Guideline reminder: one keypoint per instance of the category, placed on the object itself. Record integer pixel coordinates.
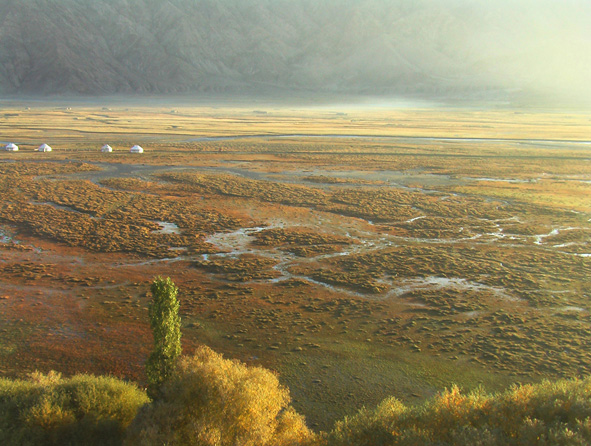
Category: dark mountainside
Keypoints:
(445, 48)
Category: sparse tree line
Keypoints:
(207, 400)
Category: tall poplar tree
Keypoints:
(166, 327)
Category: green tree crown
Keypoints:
(166, 328)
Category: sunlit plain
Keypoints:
(359, 252)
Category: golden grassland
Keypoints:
(555, 193)
(82, 124)
(356, 268)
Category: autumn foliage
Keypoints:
(550, 413)
(210, 401)
(51, 410)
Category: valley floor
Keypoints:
(443, 247)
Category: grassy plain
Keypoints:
(444, 247)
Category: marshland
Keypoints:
(359, 253)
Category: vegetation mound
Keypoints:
(210, 400)
(550, 413)
(82, 410)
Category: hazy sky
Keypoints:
(550, 42)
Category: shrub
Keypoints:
(550, 413)
(82, 410)
(210, 400)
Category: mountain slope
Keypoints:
(338, 46)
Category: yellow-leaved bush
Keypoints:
(81, 410)
(550, 413)
(212, 401)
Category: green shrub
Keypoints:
(82, 410)
(210, 401)
(550, 413)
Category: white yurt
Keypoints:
(44, 148)
(11, 147)
(137, 149)
(106, 148)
